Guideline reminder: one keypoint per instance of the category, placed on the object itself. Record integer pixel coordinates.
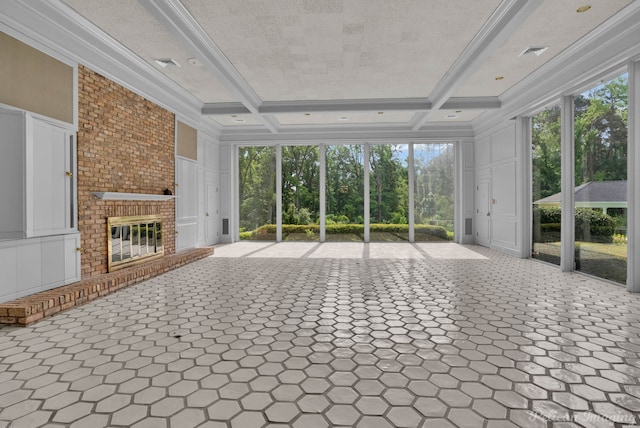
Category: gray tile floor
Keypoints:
(316, 335)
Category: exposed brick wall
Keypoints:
(125, 144)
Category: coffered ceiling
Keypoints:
(277, 65)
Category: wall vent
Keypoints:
(534, 50)
(468, 226)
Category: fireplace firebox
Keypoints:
(134, 240)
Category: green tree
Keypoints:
(387, 184)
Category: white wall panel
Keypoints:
(29, 262)
(482, 153)
(503, 144)
(504, 233)
(504, 189)
(8, 270)
(52, 262)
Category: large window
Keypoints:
(600, 178)
(345, 193)
(300, 193)
(434, 191)
(389, 192)
(257, 188)
(546, 165)
(384, 190)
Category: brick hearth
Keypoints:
(32, 308)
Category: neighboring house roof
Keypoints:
(594, 191)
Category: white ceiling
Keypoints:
(280, 64)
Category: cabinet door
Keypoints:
(50, 199)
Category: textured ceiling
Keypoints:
(319, 50)
(361, 57)
(556, 25)
(130, 24)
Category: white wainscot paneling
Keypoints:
(503, 144)
(504, 233)
(187, 236)
(8, 270)
(467, 155)
(72, 268)
(225, 159)
(52, 262)
(468, 193)
(482, 152)
(29, 264)
(225, 195)
(211, 156)
(187, 190)
(504, 189)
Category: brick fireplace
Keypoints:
(125, 144)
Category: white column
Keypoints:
(411, 218)
(367, 195)
(523, 183)
(567, 245)
(278, 193)
(323, 191)
(633, 181)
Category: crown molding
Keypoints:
(607, 47)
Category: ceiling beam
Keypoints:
(224, 109)
(345, 105)
(471, 103)
(179, 21)
(505, 20)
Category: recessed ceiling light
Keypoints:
(234, 115)
(458, 111)
(307, 114)
(193, 61)
(451, 116)
(380, 112)
(583, 8)
(499, 77)
(343, 118)
(239, 120)
(166, 62)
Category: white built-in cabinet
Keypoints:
(186, 204)
(39, 239)
(37, 165)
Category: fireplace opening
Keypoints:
(134, 240)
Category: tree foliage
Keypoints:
(600, 130)
(388, 185)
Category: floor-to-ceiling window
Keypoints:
(345, 192)
(257, 192)
(389, 192)
(546, 166)
(600, 125)
(300, 193)
(434, 194)
(352, 178)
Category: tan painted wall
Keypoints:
(187, 141)
(32, 80)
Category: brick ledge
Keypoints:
(32, 308)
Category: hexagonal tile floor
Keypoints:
(318, 335)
